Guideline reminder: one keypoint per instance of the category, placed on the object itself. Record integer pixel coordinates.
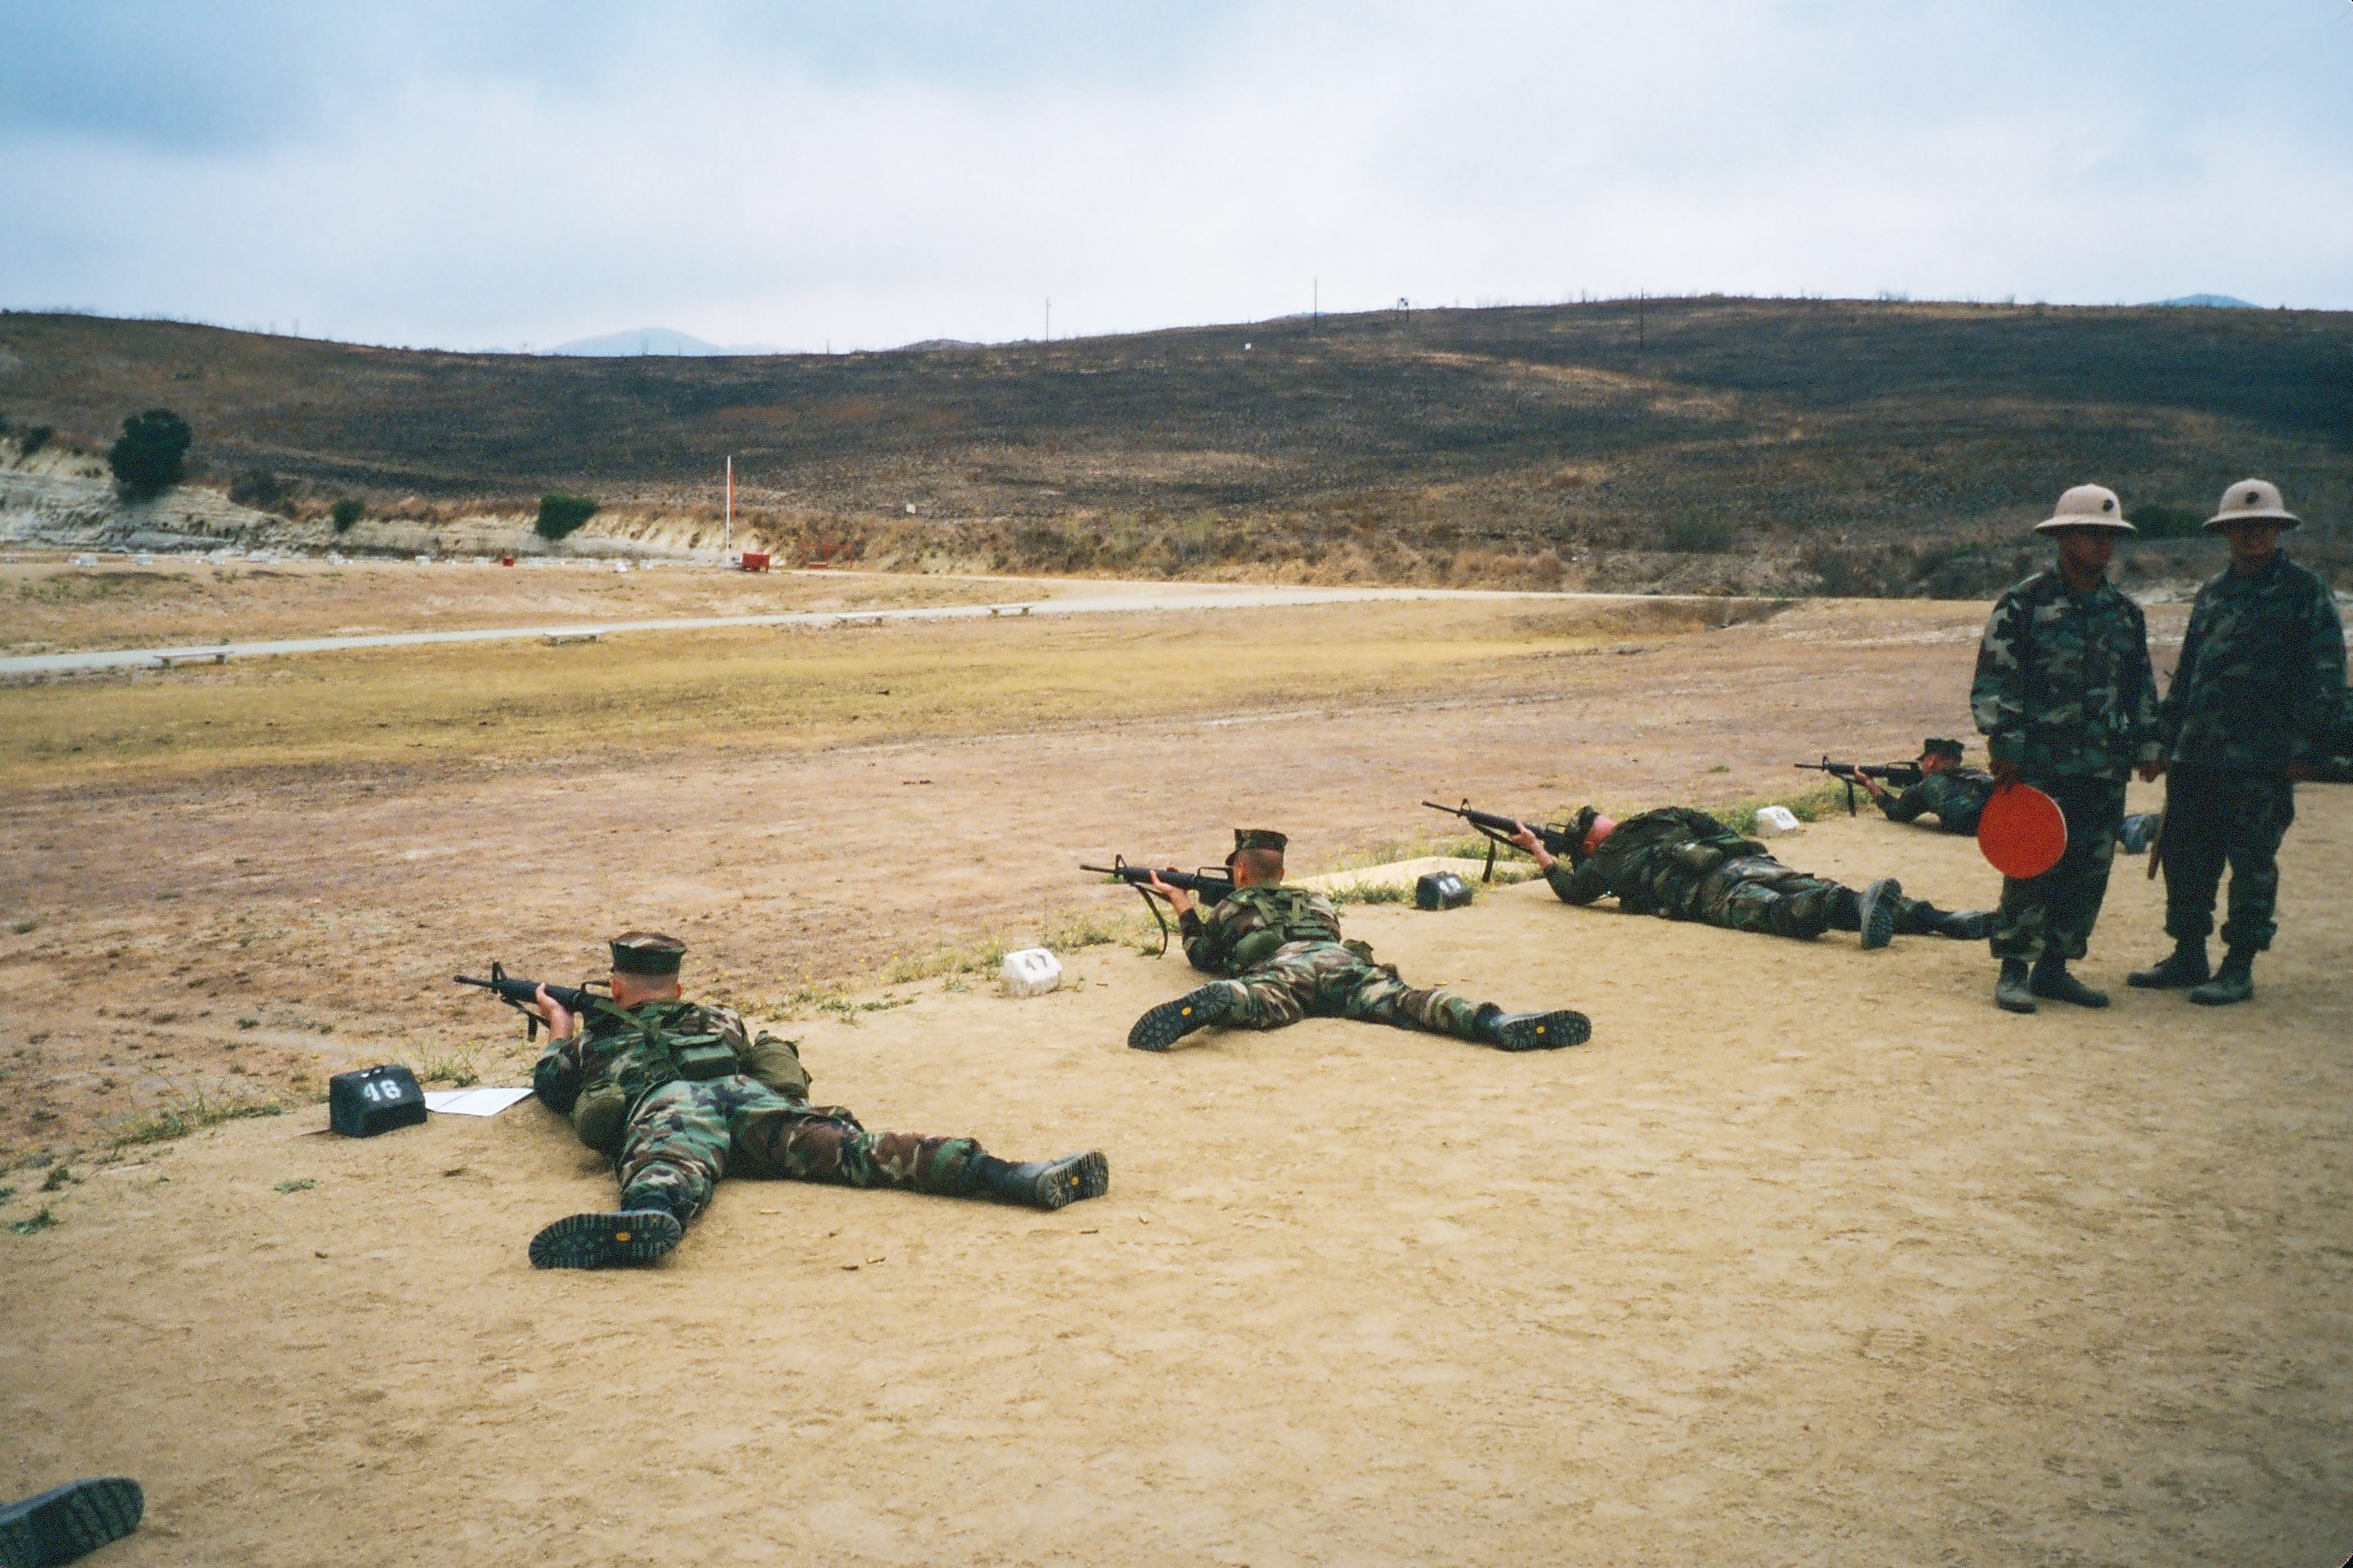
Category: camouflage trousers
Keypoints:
(1325, 980)
(2214, 817)
(684, 1136)
(2054, 913)
(1755, 893)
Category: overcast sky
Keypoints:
(482, 174)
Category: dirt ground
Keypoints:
(1811, 1254)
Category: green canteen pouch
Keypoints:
(601, 1119)
(1699, 857)
(703, 1056)
(1257, 948)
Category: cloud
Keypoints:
(873, 175)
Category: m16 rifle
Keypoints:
(1209, 886)
(1498, 830)
(1901, 775)
(523, 994)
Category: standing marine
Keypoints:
(2066, 702)
(1681, 864)
(2257, 700)
(1281, 958)
(678, 1094)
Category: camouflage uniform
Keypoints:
(1683, 865)
(2063, 691)
(671, 1138)
(2260, 685)
(1954, 797)
(1957, 798)
(1281, 950)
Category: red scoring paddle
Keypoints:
(2021, 833)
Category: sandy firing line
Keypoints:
(1125, 603)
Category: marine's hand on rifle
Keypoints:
(1180, 900)
(1525, 837)
(1872, 784)
(2148, 771)
(560, 1021)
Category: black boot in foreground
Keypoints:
(1877, 909)
(2052, 982)
(2011, 993)
(1532, 1031)
(606, 1240)
(2185, 965)
(1046, 1183)
(69, 1521)
(2234, 981)
(1170, 1022)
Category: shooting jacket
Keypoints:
(1250, 925)
(1956, 798)
(2062, 687)
(1654, 864)
(2261, 683)
(618, 1056)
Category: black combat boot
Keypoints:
(1965, 925)
(1532, 1031)
(2052, 982)
(1876, 909)
(2234, 981)
(1170, 1022)
(2011, 993)
(605, 1240)
(70, 1521)
(1044, 1184)
(2185, 965)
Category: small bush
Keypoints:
(2158, 519)
(347, 511)
(1696, 533)
(258, 488)
(32, 439)
(152, 452)
(561, 514)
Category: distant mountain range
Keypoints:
(655, 341)
(2219, 301)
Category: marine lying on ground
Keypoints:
(1498, 830)
(1281, 958)
(679, 1094)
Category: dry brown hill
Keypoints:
(1833, 446)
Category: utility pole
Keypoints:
(727, 540)
(1641, 307)
(1315, 304)
(1050, 319)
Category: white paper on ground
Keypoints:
(472, 1101)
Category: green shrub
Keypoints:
(32, 439)
(151, 453)
(1696, 533)
(560, 514)
(2158, 519)
(347, 511)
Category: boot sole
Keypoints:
(2137, 983)
(1546, 1032)
(2086, 998)
(70, 1521)
(1071, 1181)
(1170, 1022)
(1878, 912)
(2211, 1000)
(606, 1240)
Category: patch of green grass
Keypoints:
(1370, 893)
(458, 1071)
(302, 1186)
(6, 1193)
(41, 1221)
(24, 928)
(59, 1177)
(1811, 806)
(192, 1115)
